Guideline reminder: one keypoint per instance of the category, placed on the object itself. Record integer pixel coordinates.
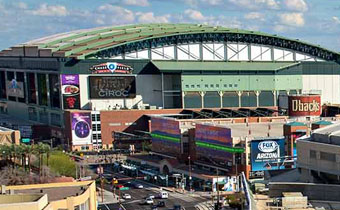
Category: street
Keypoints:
(138, 195)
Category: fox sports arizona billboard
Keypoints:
(267, 154)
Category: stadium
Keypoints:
(82, 82)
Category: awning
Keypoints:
(180, 66)
(129, 167)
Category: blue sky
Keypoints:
(314, 21)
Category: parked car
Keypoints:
(177, 207)
(127, 196)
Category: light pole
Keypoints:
(190, 182)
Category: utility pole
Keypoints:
(190, 182)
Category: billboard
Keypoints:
(304, 105)
(105, 87)
(166, 136)
(267, 154)
(70, 91)
(15, 89)
(111, 68)
(213, 142)
(81, 128)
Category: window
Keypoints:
(98, 117)
(225, 85)
(98, 127)
(235, 85)
(94, 128)
(43, 117)
(187, 86)
(327, 156)
(230, 85)
(54, 85)
(192, 86)
(312, 154)
(93, 117)
(198, 86)
(99, 136)
(42, 86)
(32, 97)
(211, 85)
(2, 85)
(206, 85)
(32, 114)
(94, 136)
(55, 119)
(217, 85)
(21, 78)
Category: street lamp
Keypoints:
(190, 182)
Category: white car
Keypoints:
(149, 201)
(150, 196)
(127, 196)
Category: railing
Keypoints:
(250, 202)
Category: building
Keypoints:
(318, 155)
(67, 80)
(51, 196)
(9, 136)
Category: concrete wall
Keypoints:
(312, 191)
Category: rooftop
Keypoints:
(87, 42)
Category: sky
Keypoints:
(313, 21)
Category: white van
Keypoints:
(163, 194)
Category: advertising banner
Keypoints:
(166, 136)
(106, 87)
(81, 128)
(15, 89)
(304, 105)
(267, 154)
(70, 91)
(111, 68)
(227, 184)
(213, 142)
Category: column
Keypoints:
(239, 93)
(257, 93)
(183, 102)
(275, 99)
(162, 75)
(36, 87)
(26, 87)
(202, 93)
(48, 90)
(6, 83)
(221, 93)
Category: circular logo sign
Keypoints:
(82, 129)
(112, 66)
(268, 146)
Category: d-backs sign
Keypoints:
(309, 105)
(111, 68)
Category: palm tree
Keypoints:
(41, 149)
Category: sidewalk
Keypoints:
(107, 197)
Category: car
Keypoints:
(154, 207)
(163, 195)
(127, 196)
(148, 201)
(177, 207)
(161, 204)
(138, 186)
(150, 196)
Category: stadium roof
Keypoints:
(165, 66)
(97, 42)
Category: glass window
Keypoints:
(55, 119)
(235, 85)
(43, 116)
(98, 127)
(206, 85)
(187, 86)
(32, 97)
(94, 136)
(32, 114)
(327, 156)
(93, 117)
(54, 90)
(42, 87)
(2, 85)
(225, 85)
(192, 86)
(10, 77)
(211, 85)
(217, 85)
(99, 136)
(21, 78)
(230, 85)
(94, 128)
(98, 117)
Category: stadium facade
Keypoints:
(60, 79)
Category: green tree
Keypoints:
(61, 164)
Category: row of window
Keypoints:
(95, 117)
(96, 127)
(323, 156)
(212, 86)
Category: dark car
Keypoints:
(177, 207)
(161, 204)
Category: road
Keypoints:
(138, 195)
